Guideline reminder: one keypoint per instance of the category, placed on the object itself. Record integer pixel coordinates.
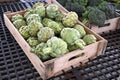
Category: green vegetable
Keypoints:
(55, 26)
(24, 31)
(79, 44)
(118, 4)
(32, 41)
(35, 17)
(94, 2)
(70, 35)
(34, 27)
(18, 23)
(28, 12)
(38, 50)
(70, 19)
(37, 4)
(56, 47)
(16, 17)
(44, 34)
(59, 17)
(45, 21)
(107, 10)
(40, 10)
(97, 16)
(80, 29)
(52, 10)
(89, 39)
(81, 2)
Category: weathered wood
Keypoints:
(55, 66)
(113, 26)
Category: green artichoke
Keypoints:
(57, 27)
(80, 29)
(35, 17)
(24, 32)
(38, 50)
(70, 35)
(79, 44)
(59, 17)
(56, 47)
(89, 39)
(38, 4)
(28, 12)
(16, 17)
(45, 21)
(70, 19)
(40, 10)
(52, 10)
(44, 34)
(18, 23)
(32, 41)
(34, 27)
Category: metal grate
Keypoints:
(14, 65)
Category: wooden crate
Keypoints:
(55, 66)
(111, 24)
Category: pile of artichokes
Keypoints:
(51, 33)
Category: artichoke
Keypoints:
(52, 10)
(35, 17)
(59, 17)
(70, 19)
(70, 35)
(38, 50)
(28, 12)
(34, 27)
(44, 34)
(18, 23)
(40, 10)
(38, 4)
(57, 27)
(16, 17)
(89, 39)
(80, 29)
(24, 32)
(45, 21)
(56, 47)
(32, 41)
(79, 44)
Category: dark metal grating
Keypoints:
(14, 65)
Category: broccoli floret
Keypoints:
(79, 9)
(94, 2)
(97, 16)
(108, 12)
(86, 12)
(81, 2)
(118, 5)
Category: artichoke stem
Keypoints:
(47, 50)
(80, 45)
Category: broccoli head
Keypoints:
(97, 17)
(104, 6)
(94, 2)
